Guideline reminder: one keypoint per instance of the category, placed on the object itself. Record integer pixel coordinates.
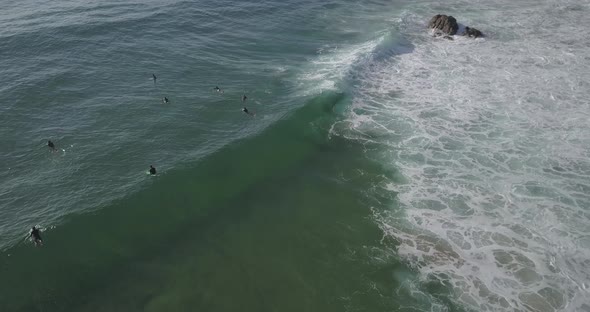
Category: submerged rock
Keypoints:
(472, 32)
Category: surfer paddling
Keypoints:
(51, 146)
(165, 100)
(217, 89)
(35, 235)
(244, 98)
(245, 110)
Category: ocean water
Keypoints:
(384, 170)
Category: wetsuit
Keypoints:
(36, 235)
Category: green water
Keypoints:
(278, 222)
(296, 241)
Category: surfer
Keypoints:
(245, 110)
(51, 145)
(244, 98)
(152, 170)
(154, 75)
(218, 89)
(165, 100)
(36, 236)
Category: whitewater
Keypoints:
(492, 139)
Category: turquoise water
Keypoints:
(385, 170)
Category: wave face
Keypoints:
(491, 137)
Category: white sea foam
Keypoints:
(331, 65)
(493, 137)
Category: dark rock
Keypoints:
(447, 26)
(444, 23)
(472, 32)
(448, 37)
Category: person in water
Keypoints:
(51, 145)
(155, 78)
(36, 236)
(152, 170)
(165, 100)
(244, 98)
(218, 89)
(245, 110)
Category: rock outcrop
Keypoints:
(447, 26)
